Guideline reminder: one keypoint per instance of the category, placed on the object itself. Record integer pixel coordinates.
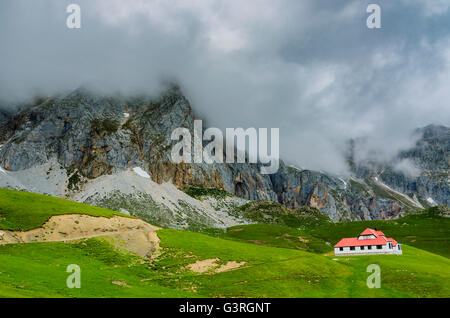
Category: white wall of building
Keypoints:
(358, 251)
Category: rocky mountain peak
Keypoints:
(435, 132)
(89, 136)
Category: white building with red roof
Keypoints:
(367, 243)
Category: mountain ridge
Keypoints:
(85, 136)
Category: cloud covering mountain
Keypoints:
(311, 68)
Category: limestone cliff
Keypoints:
(89, 136)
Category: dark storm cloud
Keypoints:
(311, 68)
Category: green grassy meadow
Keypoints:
(276, 236)
(280, 261)
(39, 270)
(426, 230)
(22, 211)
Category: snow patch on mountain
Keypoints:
(344, 182)
(431, 202)
(141, 173)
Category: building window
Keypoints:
(399, 248)
(379, 247)
(390, 245)
(341, 249)
(369, 247)
(352, 248)
(362, 248)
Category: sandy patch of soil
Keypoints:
(229, 266)
(302, 239)
(119, 283)
(135, 235)
(211, 263)
(287, 235)
(203, 266)
(255, 242)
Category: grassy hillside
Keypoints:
(276, 236)
(269, 212)
(278, 272)
(427, 230)
(22, 211)
(39, 270)
(199, 193)
(272, 260)
(416, 273)
(268, 272)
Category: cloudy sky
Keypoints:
(311, 68)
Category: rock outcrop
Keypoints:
(88, 136)
(430, 157)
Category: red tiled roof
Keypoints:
(379, 239)
(353, 241)
(369, 231)
(394, 242)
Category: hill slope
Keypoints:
(25, 211)
(38, 270)
(192, 264)
(428, 229)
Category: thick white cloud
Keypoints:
(430, 8)
(311, 68)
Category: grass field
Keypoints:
(269, 212)
(280, 261)
(279, 272)
(39, 270)
(426, 230)
(22, 211)
(276, 236)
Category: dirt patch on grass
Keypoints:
(203, 266)
(134, 235)
(255, 242)
(119, 283)
(229, 266)
(211, 263)
(302, 239)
